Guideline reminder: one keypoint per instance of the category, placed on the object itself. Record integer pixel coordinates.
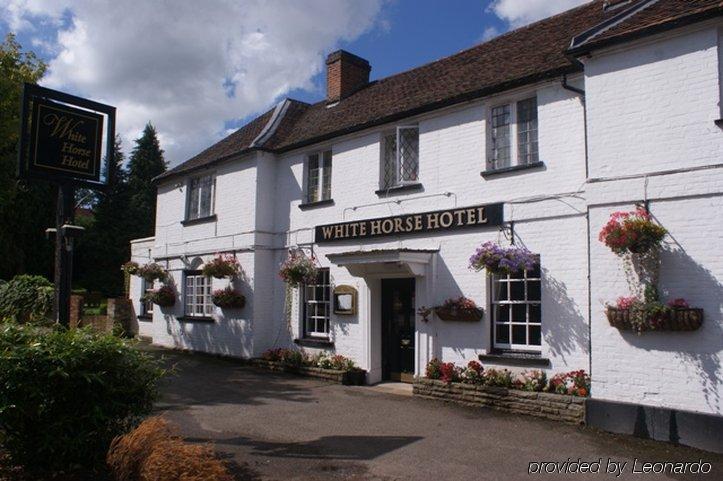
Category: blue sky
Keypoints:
(199, 73)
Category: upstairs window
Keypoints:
(507, 122)
(200, 197)
(317, 305)
(146, 305)
(400, 157)
(318, 177)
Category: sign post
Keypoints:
(61, 139)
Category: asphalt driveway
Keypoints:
(276, 427)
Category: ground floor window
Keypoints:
(197, 295)
(516, 310)
(317, 305)
(146, 305)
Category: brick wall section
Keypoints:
(569, 409)
(332, 375)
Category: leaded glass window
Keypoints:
(400, 157)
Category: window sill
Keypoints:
(515, 168)
(318, 203)
(210, 320)
(145, 318)
(314, 342)
(515, 358)
(399, 189)
(719, 122)
(200, 220)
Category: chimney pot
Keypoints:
(345, 74)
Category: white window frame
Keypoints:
(310, 317)
(212, 206)
(396, 182)
(146, 306)
(191, 280)
(324, 171)
(515, 158)
(507, 282)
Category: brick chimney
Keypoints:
(345, 74)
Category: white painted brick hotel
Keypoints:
(565, 121)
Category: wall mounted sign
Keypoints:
(345, 300)
(434, 221)
(62, 137)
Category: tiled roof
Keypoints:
(657, 16)
(523, 56)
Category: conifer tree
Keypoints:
(146, 162)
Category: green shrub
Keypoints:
(26, 299)
(67, 393)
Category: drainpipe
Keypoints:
(565, 85)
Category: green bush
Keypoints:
(26, 299)
(67, 393)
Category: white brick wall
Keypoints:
(652, 107)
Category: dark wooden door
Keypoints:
(398, 329)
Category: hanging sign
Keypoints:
(434, 221)
(62, 137)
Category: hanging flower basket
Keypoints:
(130, 267)
(632, 232)
(633, 315)
(151, 272)
(298, 269)
(500, 260)
(222, 266)
(164, 296)
(460, 309)
(228, 298)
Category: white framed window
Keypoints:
(200, 197)
(517, 311)
(514, 120)
(197, 301)
(318, 176)
(400, 156)
(317, 305)
(146, 309)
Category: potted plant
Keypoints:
(223, 265)
(151, 272)
(500, 260)
(649, 314)
(228, 298)
(130, 267)
(632, 232)
(164, 296)
(459, 309)
(298, 269)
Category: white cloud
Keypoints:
(521, 12)
(489, 33)
(189, 66)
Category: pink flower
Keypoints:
(678, 303)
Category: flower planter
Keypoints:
(675, 319)
(353, 377)
(559, 407)
(228, 299)
(462, 315)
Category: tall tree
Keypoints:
(106, 243)
(146, 162)
(26, 208)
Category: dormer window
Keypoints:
(400, 157)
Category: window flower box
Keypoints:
(672, 319)
(460, 309)
(222, 266)
(164, 296)
(228, 298)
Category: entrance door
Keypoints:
(398, 329)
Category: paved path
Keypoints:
(279, 427)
